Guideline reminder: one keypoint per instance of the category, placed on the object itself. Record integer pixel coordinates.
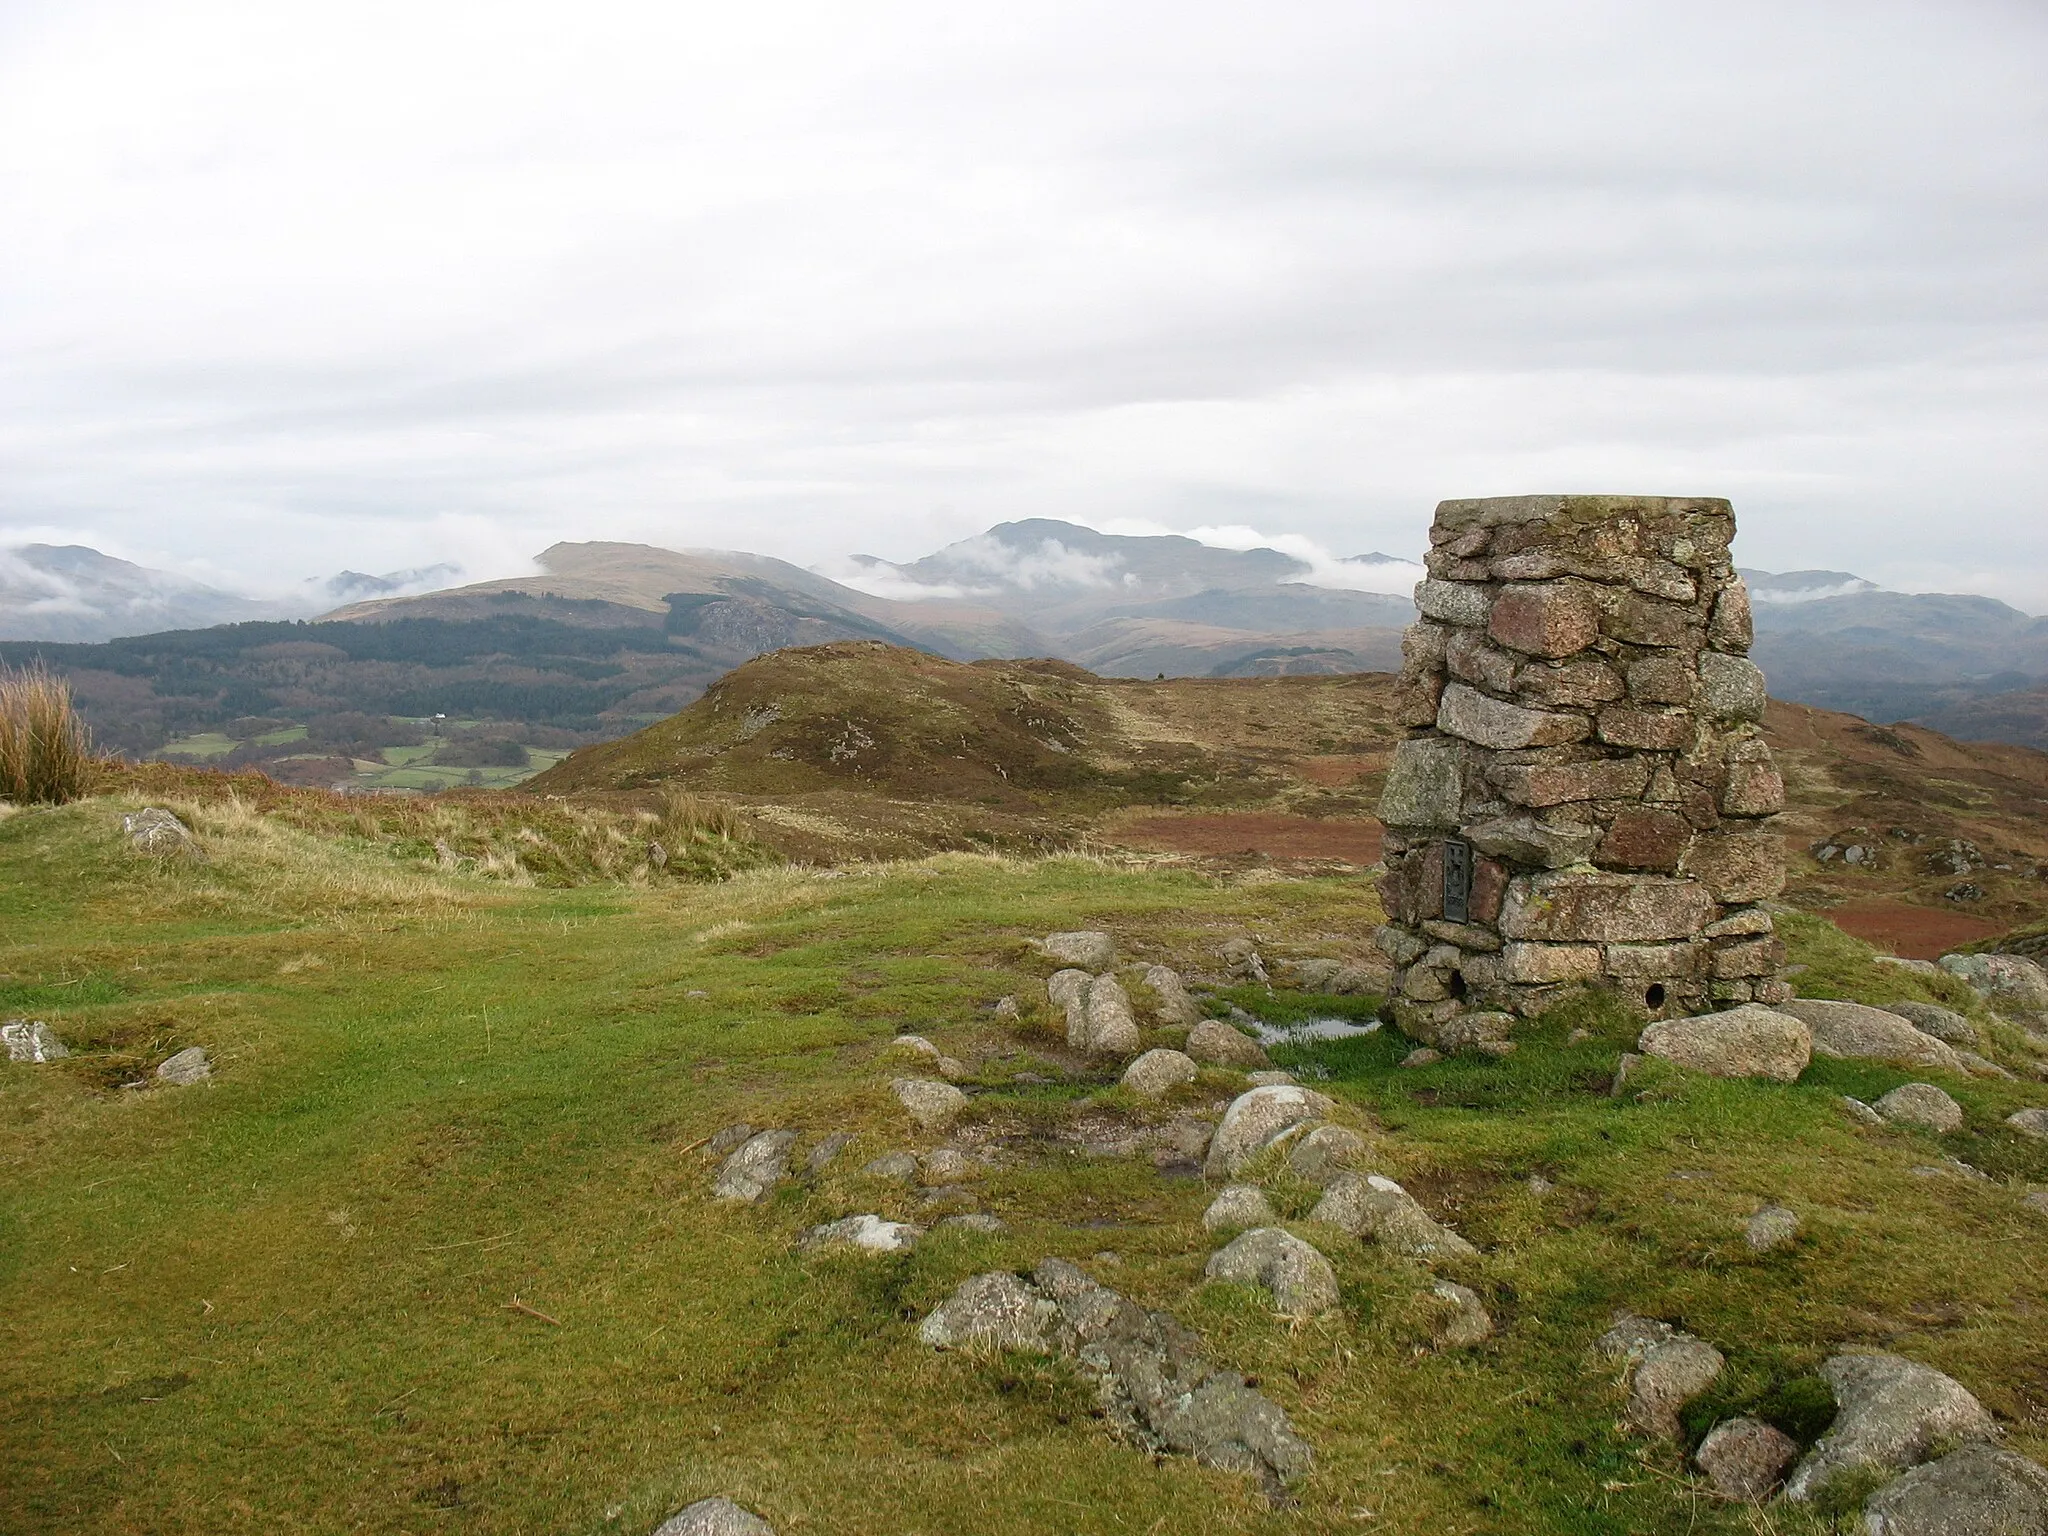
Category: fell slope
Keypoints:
(1045, 753)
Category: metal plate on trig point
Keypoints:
(1457, 881)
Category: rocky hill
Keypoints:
(865, 745)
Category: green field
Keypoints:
(279, 1301)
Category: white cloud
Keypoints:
(293, 287)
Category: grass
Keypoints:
(45, 752)
(279, 1301)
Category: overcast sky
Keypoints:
(289, 287)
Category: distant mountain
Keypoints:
(1770, 588)
(355, 587)
(1064, 577)
(70, 592)
(73, 593)
(1901, 655)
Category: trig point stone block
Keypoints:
(1585, 793)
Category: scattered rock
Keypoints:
(915, 1045)
(2029, 1122)
(1176, 1006)
(1377, 1209)
(1155, 1388)
(948, 1165)
(1772, 1227)
(997, 1311)
(2036, 1199)
(1301, 1279)
(1750, 1041)
(1255, 1118)
(954, 1070)
(1328, 1152)
(1463, 1320)
(1977, 1489)
(1539, 1185)
(1109, 1028)
(2009, 983)
(1159, 1072)
(1068, 992)
(1221, 1045)
(725, 1140)
(1667, 1370)
(714, 1517)
(155, 831)
(948, 1200)
(1850, 1029)
(32, 1040)
(1745, 1459)
(189, 1066)
(868, 1233)
(1485, 1032)
(761, 1163)
(1086, 949)
(933, 1105)
(826, 1152)
(1242, 962)
(1861, 1112)
(1921, 1104)
(1239, 1205)
(1006, 1010)
(1945, 1024)
(1890, 1413)
(975, 1221)
(1421, 1056)
(1270, 1078)
(900, 1167)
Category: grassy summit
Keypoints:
(280, 1300)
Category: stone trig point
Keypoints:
(1583, 795)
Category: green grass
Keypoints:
(279, 1301)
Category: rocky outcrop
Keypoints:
(1158, 1072)
(1666, 1370)
(1377, 1210)
(1891, 1413)
(189, 1066)
(1153, 1383)
(1239, 1205)
(1945, 1024)
(1175, 1006)
(156, 832)
(1108, 1027)
(714, 1517)
(1772, 1227)
(933, 1105)
(1978, 1490)
(1923, 1105)
(1221, 1045)
(1085, 949)
(1851, 1029)
(2009, 983)
(31, 1040)
(1301, 1279)
(760, 1163)
(1254, 1119)
(1749, 1041)
(1745, 1459)
(866, 1233)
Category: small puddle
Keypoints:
(1308, 1030)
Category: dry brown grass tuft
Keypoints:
(45, 750)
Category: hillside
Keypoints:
(865, 746)
(452, 1233)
